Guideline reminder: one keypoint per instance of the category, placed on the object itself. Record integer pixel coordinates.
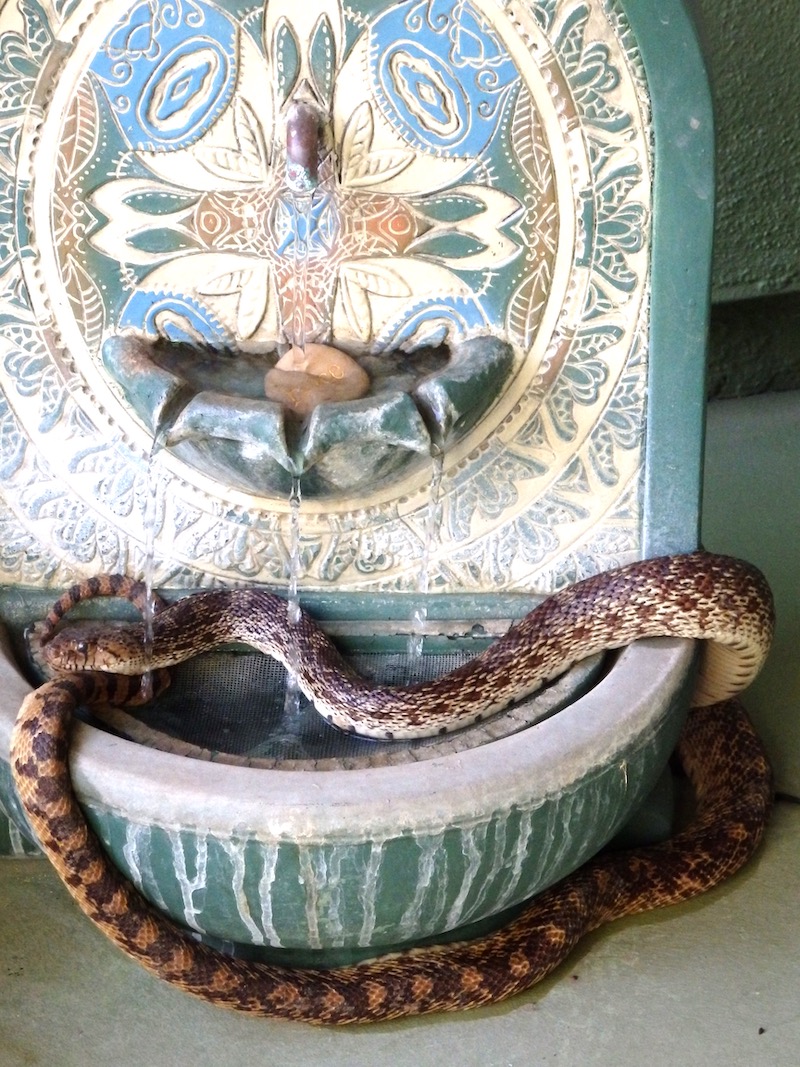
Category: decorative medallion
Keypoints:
(464, 223)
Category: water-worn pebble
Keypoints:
(318, 374)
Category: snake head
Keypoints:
(68, 650)
(88, 646)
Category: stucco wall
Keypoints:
(754, 55)
(754, 346)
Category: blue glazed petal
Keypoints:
(168, 79)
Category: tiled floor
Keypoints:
(711, 982)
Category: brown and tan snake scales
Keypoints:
(722, 600)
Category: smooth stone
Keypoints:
(320, 374)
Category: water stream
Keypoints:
(153, 521)
(295, 560)
(302, 161)
(287, 739)
(430, 539)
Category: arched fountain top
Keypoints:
(485, 179)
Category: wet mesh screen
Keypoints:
(235, 702)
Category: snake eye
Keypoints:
(81, 647)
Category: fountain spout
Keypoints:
(304, 127)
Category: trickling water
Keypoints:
(295, 561)
(302, 159)
(473, 848)
(302, 177)
(430, 539)
(153, 507)
(287, 738)
(313, 877)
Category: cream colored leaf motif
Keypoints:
(185, 516)
(376, 277)
(361, 166)
(125, 221)
(530, 153)
(526, 304)
(81, 132)
(229, 163)
(86, 301)
(356, 306)
(341, 552)
(357, 140)
(250, 138)
(252, 286)
(360, 277)
(232, 281)
(495, 209)
(380, 167)
(253, 303)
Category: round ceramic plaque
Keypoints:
(484, 173)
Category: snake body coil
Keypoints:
(718, 749)
(698, 595)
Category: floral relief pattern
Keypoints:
(213, 258)
(459, 194)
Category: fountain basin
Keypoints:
(556, 212)
(334, 865)
(209, 409)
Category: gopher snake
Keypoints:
(718, 749)
(696, 595)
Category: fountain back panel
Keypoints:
(489, 240)
(424, 267)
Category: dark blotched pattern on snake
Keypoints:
(725, 602)
(718, 750)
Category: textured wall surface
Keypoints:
(754, 53)
(754, 346)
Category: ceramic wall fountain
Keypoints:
(411, 294)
